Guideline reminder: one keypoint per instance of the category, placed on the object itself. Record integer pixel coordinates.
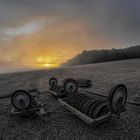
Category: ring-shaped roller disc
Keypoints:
(70, 86)
(21, 100)
(75, 99)
(86, 105)
(69, 98)
(117, 98)
(79, 101)
(53, 82)
(87, 109)
(93, 107)
(100, 110)
(82, 103)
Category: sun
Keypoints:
(47, 65)
(46, 62)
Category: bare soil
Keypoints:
(62, 125)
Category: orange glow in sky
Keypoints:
(47, 43)
(46, 62)
(38, 34)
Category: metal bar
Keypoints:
(102, 119)
(82, 116)
(6, 96)
(94, 92)
(22, 112)
(53, 93)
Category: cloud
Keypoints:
(117, 19)
(26, 29)
(60, 29)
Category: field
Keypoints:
(62, 125)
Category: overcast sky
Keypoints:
(37, 33)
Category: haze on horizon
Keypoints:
(46, 33)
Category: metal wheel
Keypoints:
(117, 98)
(21, 100)
(70, 86)
(65, 80)
(53, 82)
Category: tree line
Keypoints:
(104, 55)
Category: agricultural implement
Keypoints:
(68, 87)
(71, 84)
(26, 103)
(93, 110)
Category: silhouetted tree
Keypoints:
(96, 56)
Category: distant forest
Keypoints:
(96, 56)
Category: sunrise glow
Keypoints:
(45, 34)
(46, 62)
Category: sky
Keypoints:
(46, 33)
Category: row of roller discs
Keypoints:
(72, 99)
(85, 106)
(101, 110)
(89, 106)
(78, 98)
(92, 108)
(79, 101)
(69, 98)
(75, 99)
(82, 103)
